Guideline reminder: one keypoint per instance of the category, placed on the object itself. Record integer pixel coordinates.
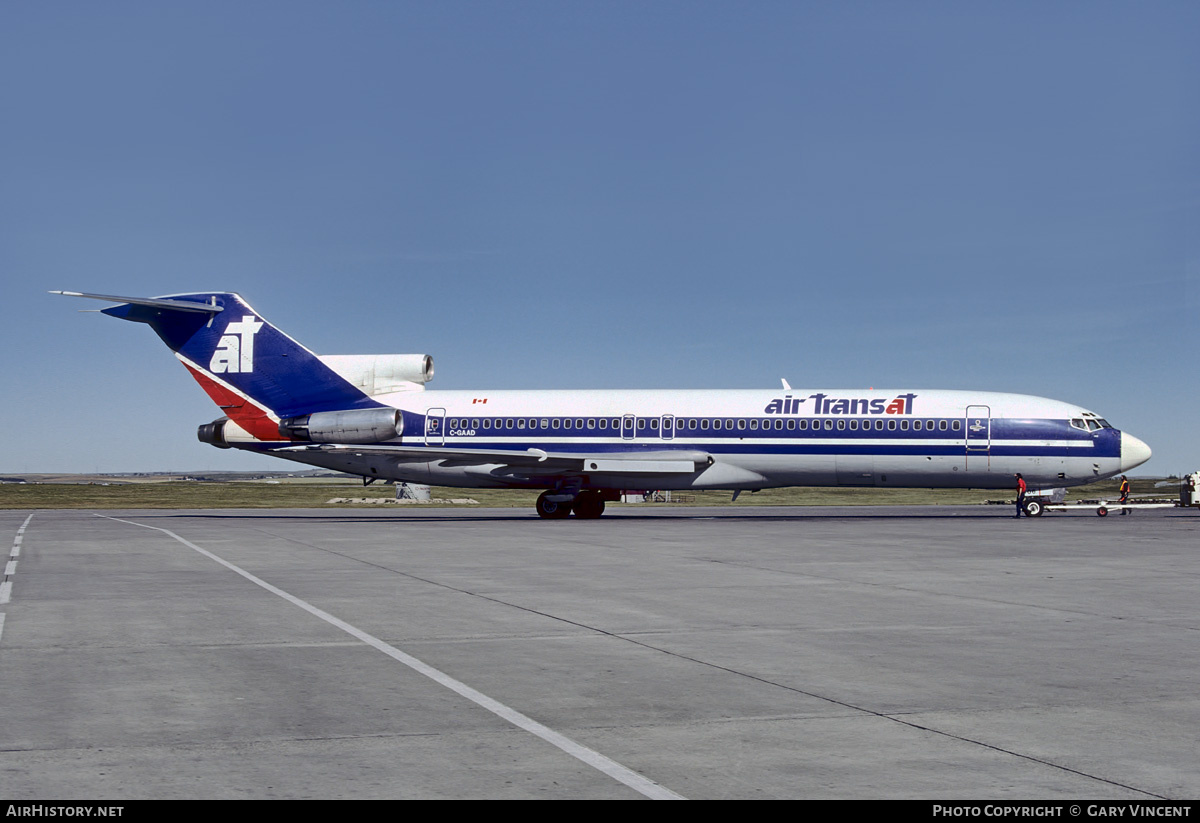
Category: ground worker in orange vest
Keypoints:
(1124, 493)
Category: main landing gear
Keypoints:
(587, 505)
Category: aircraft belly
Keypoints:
(763, 471)
(489, 475)
(738, 471)
(856, 470)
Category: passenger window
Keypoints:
(853, 425)
(904, 425)
(603, 422)
(791, 425)
(704, 424)
(729, 424)
(779, 424)
(654, 423)
(941, 425)
(741, 425)
(916, 425)
(841, 425)
(957, 425)
(828, 425)
(591, 423)
(754, 425)
(878, 425)
(521, 423)
(487, 422)
(545, 422)
(891, 425)
(475, 423)
(554, 423)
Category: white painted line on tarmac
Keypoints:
(11, 568)
(16, 548)
(613, 769)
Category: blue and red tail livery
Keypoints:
(234, 353)
(372, 415)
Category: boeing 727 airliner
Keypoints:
(371, 415)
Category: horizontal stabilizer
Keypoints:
(242, 361)
(153, 302)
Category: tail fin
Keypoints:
(253, 371)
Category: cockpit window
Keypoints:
(1092, 424)
(1078, 423)
(1104, 424)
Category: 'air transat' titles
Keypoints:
(824, 404)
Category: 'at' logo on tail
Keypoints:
(235, 350)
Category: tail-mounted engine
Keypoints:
(377, 374)
(214, 433)
(358, 426)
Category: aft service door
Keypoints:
(979, 438)
(435, 427)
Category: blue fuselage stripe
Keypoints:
(1032, 438)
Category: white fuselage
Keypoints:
(756, 439)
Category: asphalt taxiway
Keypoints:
(922, 652)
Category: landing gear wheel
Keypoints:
(588, 505)
(1034, 508)
(551, 510)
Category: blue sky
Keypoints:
(999, 196)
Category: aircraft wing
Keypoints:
(683, 461)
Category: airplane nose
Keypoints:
(1133, 452)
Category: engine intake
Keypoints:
(382, 373)
(357, 426)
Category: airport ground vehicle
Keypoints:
(1054, 500)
